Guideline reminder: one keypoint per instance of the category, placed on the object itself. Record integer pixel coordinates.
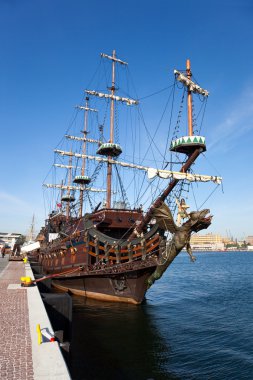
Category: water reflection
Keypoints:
(116, 341)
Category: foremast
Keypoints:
(191, 145)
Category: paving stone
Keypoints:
(15, 339)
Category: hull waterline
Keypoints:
(129, 287)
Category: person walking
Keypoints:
(3, 251)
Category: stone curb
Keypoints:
(48, 362)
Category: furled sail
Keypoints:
(66, 166)
(82, 139)
(165, 174)
(152, 172)
(65, 187)
(128, 101)
(190, 84)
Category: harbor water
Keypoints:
(196, 323)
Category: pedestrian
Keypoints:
(16, 249)
(3, 250)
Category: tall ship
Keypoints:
(117, 221)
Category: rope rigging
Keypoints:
(177, 126)
(140, 189)
(123, 192)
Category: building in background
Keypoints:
(216, 242)
(249, 240)
(207, 242)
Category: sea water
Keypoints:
(196, 323)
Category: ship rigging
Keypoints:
(114, 218)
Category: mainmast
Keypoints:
(109, 166)
(110, 149)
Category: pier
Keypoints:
(28, 349)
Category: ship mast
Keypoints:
(189, 98)
(111, 141)
(68, 192)
(84, 180)
(109, 166)
(68, 198)
(190, 145)
(84, 152)
(62, 192)
(32, 229)
(110, 149)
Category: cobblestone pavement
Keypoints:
(15, 340)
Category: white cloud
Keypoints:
(11, 199)
(13, 207)
(236, 124)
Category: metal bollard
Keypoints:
(39, 333)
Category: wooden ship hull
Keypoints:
(128, 287)
(93, 264)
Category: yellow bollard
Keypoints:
(26, 281)
(39, 334)
(25, 260)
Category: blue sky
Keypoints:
(49, 50)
